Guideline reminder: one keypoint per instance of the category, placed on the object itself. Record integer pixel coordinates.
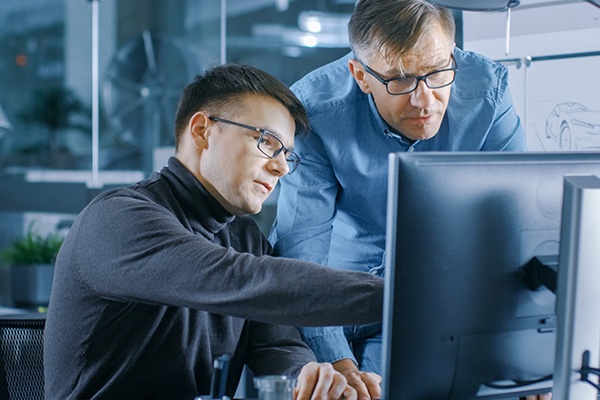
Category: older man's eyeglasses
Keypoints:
(269, 144)
(407, 84)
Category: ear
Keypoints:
(359, 74)
(198, 129)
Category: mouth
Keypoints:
(421, 119)
(267, 188)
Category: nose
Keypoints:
(422, 96)
(278, 165)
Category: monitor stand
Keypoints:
(578, 292)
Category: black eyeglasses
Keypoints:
(404, 85)
(268, 144)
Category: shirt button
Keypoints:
(411, 149)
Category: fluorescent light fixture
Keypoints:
(319, 21)
(313, 25)
(309, 40)
(292, 36)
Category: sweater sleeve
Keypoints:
(276, 349)
(127, 249)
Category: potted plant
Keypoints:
(59, 111)
(31, 260)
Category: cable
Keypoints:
(586, 370)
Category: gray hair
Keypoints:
(391, 28)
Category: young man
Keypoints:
(404, 87)
(156, 280)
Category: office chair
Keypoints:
(21, 358)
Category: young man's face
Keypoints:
(231, 166)
(417, 115)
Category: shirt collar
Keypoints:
(387, 130)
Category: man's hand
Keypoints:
(319, 381)
(366, 384)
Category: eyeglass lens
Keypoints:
(268, 144)
(271, 146)
(435, 80)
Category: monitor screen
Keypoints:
(459, 320)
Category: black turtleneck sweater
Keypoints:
(156, 280)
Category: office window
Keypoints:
(147, 51)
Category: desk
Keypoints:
(12, 311)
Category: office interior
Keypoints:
(88, 88)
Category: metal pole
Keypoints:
(223, 31)
(95, 183)
(507, 30)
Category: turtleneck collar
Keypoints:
(194, 197)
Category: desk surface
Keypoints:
(11, 311)
(6, 313)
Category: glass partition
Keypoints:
(56, 73)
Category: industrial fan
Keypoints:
(140, 91)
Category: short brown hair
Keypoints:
(217, 89)
(390, 28)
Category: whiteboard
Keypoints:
(562, 103)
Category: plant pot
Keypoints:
(31, 284)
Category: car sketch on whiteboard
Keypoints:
(574, 126)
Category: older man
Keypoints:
(405, 87)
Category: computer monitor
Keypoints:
(459, 319)
(578, 332)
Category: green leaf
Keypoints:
(33, 248)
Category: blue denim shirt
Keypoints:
(332, 210)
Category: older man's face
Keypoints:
(417, 115)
